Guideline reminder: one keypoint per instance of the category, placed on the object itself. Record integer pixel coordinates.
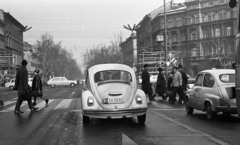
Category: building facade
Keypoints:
(200, 35)
(11, 53)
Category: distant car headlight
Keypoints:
(138, 99)
(90, 101)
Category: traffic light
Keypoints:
(232, 3)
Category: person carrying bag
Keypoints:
(37, 88)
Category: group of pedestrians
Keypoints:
(176, 84)
(21, 85)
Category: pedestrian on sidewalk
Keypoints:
(37, 88)
(176, 84)
(161, 84)
(21, 85)
(146, 85)
(184, 84)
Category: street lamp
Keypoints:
(134, 40)
(165, 38)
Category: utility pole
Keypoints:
(165, 39)
(232, 4)
(134, 41)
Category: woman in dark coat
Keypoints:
(161, 84)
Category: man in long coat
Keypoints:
(161, 84)
(146, 85)
(21, 85)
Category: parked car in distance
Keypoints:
(82, 82)
(112, 92)
(212, 93)
(61, 81)
(11, 83)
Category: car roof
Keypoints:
(110, 66)
(219, 71)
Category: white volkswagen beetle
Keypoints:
(112, 92)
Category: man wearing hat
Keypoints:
(21, 85)
(161, 84)
(37, 87)
(146, 85)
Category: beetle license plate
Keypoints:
(115, 100)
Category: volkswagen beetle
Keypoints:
(112, 92)
(212, 92)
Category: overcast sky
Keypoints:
(79, 23)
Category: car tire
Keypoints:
(52, 86)
(11, 88)
(189, 109)
(209, 111)
(72, 84)
(141, 119)
(86, 120)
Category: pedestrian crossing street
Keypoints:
(9, 106)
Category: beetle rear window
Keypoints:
(227, 78)
(112, 75)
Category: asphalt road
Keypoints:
(60, 123)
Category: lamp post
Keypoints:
(232, 4)
(134, 40)
(165, 38)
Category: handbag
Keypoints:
(37, 93)
(26, 95)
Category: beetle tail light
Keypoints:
(138, 99)
(90, 101)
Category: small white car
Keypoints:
(61, 81)
(112, 92)
(11, 83)
(212, 92)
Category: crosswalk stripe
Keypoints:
(8, 102)
(13, 107)
(42, 104)
(63, 104)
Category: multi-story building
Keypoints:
(32, 65)
(201, 35)
(127, 51)
(11, 53)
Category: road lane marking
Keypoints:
(41, 105)
(13, 107)
(8, 102)
(63, 104)
(14, 98)
(127, 141)
(212, 138)
(162, 106)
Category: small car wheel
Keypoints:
(72, 84)
(209, 112)
(86, 119)
(141, 119)
(189, 109)
(11, 88)
(52, 86)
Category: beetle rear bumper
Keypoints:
(115, 113)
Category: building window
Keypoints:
(216, 17)
(174, 37)
(193, 36)
(210, 3)
(217, 32)
(194, 52)
(205, 34)
(183, 38)
(228, 31)
(222, 1)
(228, 16)
(206, 18)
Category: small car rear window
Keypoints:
(227, 78)
(112, 75)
